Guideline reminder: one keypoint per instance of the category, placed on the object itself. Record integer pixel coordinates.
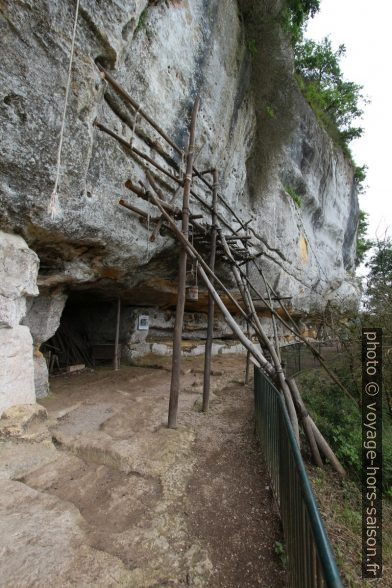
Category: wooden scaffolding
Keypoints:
(203, 238)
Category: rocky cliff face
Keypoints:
(254, 126)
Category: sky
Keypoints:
(365, 29)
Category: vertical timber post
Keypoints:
(210, 325)
(178, 325)
(116, 361)
(246, 382)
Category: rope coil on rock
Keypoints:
(54, 205)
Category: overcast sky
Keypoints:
(365, 29)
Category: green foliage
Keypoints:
(363, 244)
(340, 421)
(252, 47)
(360, 172)
(378, 307)
(142, 20)
(281, 553)
(341, 504)
(294, 195)
(270, 112)
(352, 518)
(379, 282)
(336, 102)
(296, 14)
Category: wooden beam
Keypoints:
(124, 94)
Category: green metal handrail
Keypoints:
(310, 557)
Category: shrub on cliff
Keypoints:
(363, 243)
(336, 102)
(295, 15)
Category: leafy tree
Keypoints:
(295, 15)
(378, 305)
(379, 282)
(363, 244)
(360, 172)
(337, 102)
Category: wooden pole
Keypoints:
(296, 332)
(203, 269)
(145, 157)
(195, 255)
(246, 382)
(305, 420)
(179, 321)
(314, 435)
(264, 340)
(210, 325)
(325, 448)
(261, 361)
(116, 360)
(146, 195)
(160, 221)
(124, 94)
(138, 211)
(274, 325)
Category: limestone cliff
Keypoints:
(254, 126)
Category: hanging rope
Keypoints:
(54, 206)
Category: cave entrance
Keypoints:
(86, 335)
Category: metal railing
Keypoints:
(297, 357)
(310, 558)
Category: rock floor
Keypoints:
(111, 497)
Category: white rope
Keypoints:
(54, 206)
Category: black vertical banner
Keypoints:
(371, 453)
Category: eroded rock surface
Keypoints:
(120, 500)
(164, 54)
(47, 546)
(18, 283)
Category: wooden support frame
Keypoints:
(179, 320)
(263, 339)
(234, 256)
(257, 355)
(125, 95)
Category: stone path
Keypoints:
(111, 497)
